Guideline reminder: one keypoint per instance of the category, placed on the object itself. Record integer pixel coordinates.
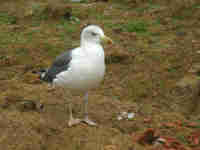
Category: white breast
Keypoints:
(86, 71)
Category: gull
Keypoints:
(80, 69)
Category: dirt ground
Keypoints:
(153, 71)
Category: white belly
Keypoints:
(82, 75)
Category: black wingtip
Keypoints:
(41, 73)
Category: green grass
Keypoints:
(74, 19)
(149, 7)
(157, 21)
(136, 26)
(8, 37)
(197, 6)
(178, 17)
(84, 1)
(172, 69)
(39, 12)
(5, 18)
(52, 50)
(183, 139)
(69, 26)
(66, 29)
(81, 1)
(22, 52)
(100, 17)
(30, 35)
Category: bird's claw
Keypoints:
(73, 121)
(89, 122)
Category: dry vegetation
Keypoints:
(152, 70)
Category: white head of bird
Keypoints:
(93, 34)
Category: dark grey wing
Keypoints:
(60, 64)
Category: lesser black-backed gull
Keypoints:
(81, 68)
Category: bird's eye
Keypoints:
(93, 34)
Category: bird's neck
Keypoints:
(93, 50)
(90, 47)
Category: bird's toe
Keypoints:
(89, 122)
(73, 122)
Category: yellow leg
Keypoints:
(72, 121)
(86, 118)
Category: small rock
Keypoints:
(125, 115)
(186, 92)
(27, 105)
(195, 68)
(119, 118)
(117, 30)
(5, 105)
(110, 147)
(188, 81)
(180, 33)
(148, 137)
(131, 115)
(67, 15)
(41, 106)
(161, 140)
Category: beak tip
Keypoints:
(108, 40)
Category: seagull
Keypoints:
(80, 69)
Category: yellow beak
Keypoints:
(106, 39)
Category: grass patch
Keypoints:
(100, 17)
(157, 21)
(38, 11)
(178, 17)
(30, 35)
(197, 6)
(136, 26)
(5, 18)
(8, 38)
(183, 139)
(64, 24)
(22, 51)
(148, 7)
(140, 27)
(76, 1)
(51, 50)
(66, 28)
(173, 69)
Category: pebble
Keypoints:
(126, 115)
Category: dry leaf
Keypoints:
(149, 137)
(110, 147)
